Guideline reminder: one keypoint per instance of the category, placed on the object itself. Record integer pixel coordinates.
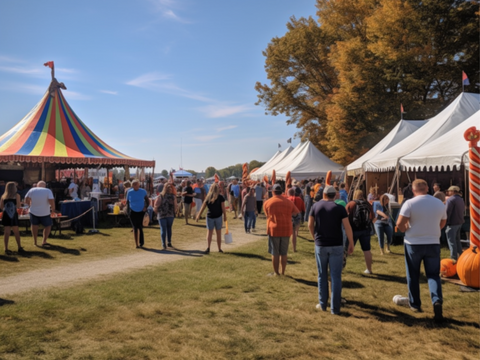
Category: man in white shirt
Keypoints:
(422, 218)
(42, 203)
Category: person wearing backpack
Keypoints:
(360, 216)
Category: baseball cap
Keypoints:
(276, 187)
(454, 188)
(329, 190)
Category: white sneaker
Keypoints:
(367, 272)
(319, 307)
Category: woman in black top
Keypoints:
(10, 202)
(216, 208)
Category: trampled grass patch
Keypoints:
(223, 306)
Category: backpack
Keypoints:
(361, 216)
(319, 194)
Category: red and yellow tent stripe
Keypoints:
(52, 132)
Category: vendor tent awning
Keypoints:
(182, 174)
(269, 166)
(307, 162)
(52, 133)
(465, 105)
(447, 152)
(403, 129)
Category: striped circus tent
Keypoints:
(52, 133)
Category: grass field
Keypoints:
(223, 306)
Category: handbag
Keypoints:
(146, 219)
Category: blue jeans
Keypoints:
(430, 254)
(453, 239)
(308, 206)
(249, 220)
(329, 256)
(382, 228)
(166, 229)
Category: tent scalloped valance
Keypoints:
(76, 161)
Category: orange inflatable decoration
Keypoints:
(468, 265)
(448, 268)
(244, 172)
(217, 178)
(251, 172)
(265, 179)
(288, 180)
(328, 178)
(274, 177)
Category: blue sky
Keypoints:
(149, 75)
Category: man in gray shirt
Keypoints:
(455, 220)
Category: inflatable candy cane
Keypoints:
(473, 136)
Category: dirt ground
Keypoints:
(72, 274)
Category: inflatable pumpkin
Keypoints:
(468, 267)
(448, 268)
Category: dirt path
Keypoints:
(73, 274)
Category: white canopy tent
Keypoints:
(448, 151)
(269, 166)
(465, 105)
(307, 162)
(403, 129)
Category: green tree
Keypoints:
(254, 164)
(210, 171)
(165, 173)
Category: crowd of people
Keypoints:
(335, 223)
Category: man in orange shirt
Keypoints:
(279, 211)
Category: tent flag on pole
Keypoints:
(289, 141)
(464, 80)
(279, 146)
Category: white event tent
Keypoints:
(306, 162)
(464, 106)
(403, 129)
(269, 166)
(447, 152)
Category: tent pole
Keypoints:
(43, 171)
(397, 172)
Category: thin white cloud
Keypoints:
(226, 128)
(25, 88)
(21, 70)
(155, 81)
(75, 95)
(10, 59)
(109, 92)
(165, 9)
(218, 110)
(206, 138)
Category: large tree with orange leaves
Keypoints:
(341, 79)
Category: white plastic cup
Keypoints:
(401, 300)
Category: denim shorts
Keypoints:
(37, 220)
(214, 224)
(364, 237)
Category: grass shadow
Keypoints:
(39, 254)
(174, 251)
(8, 258)
(352, 285)
(306, 282)
(249, 256)
(384, 315)
(61, 249)
(6, 302)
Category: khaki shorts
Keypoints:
(278, 245)
(234, 203)
(187, 210)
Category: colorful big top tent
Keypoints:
(52, 133)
